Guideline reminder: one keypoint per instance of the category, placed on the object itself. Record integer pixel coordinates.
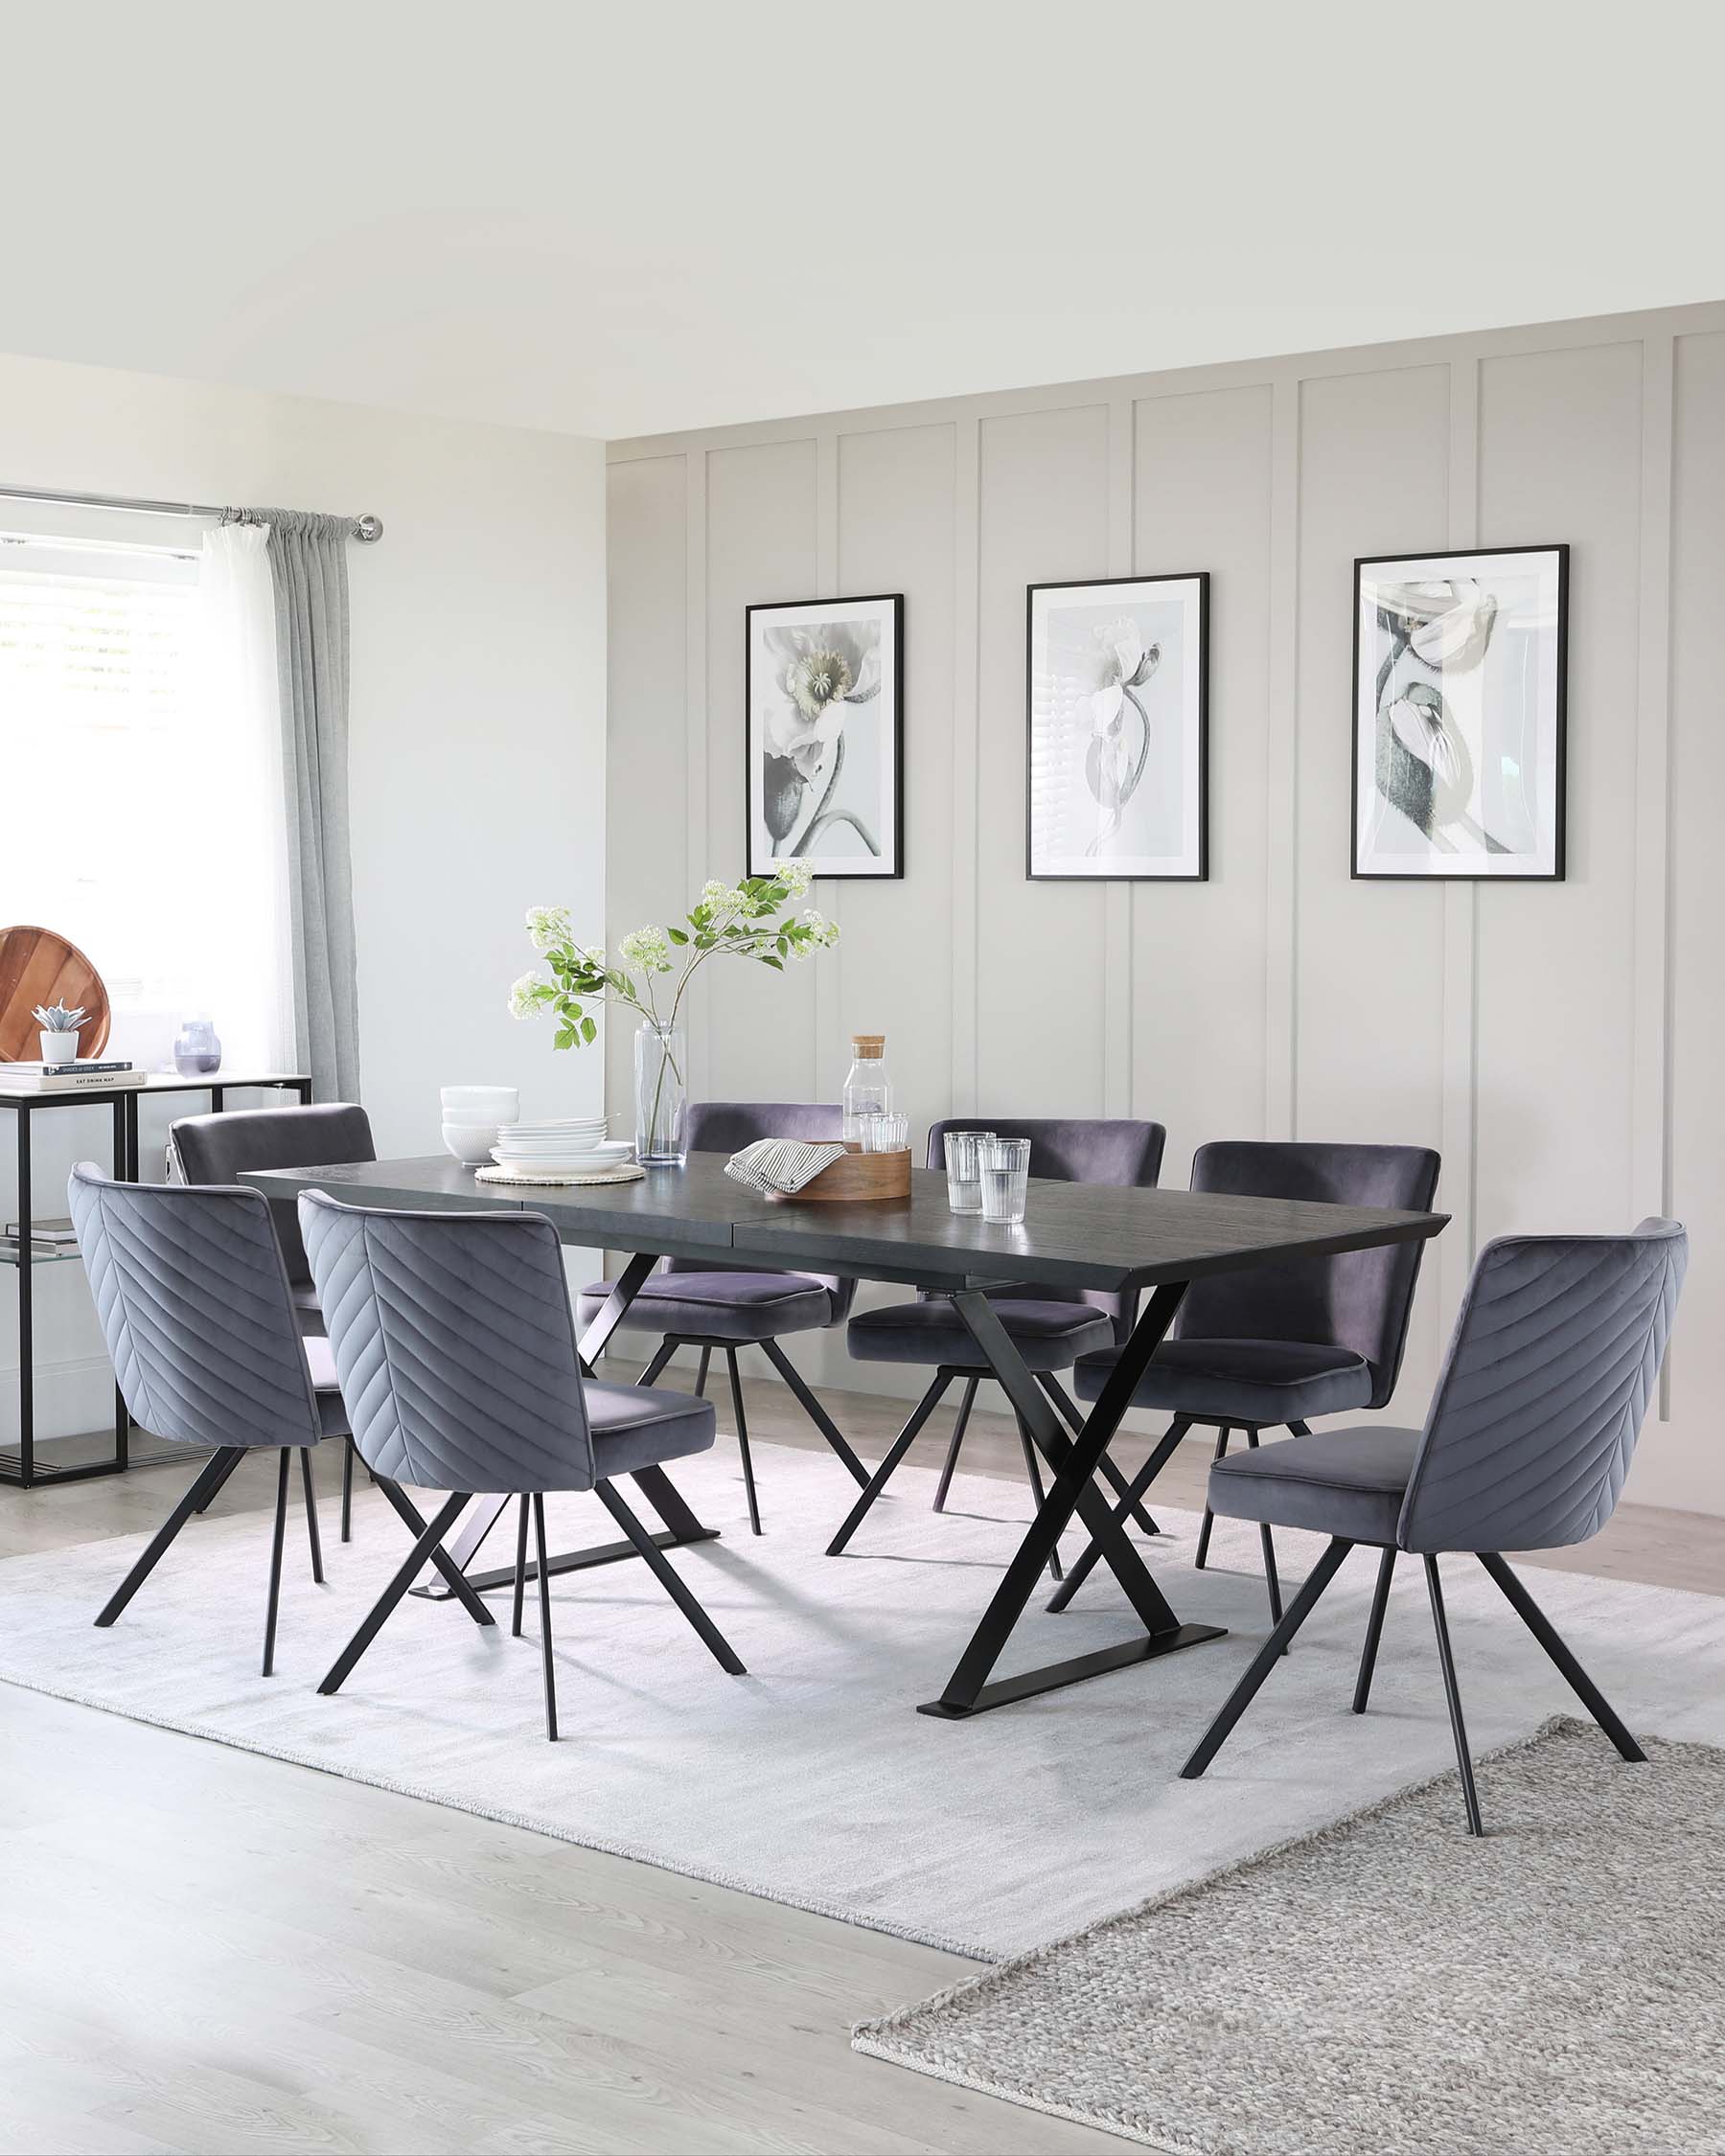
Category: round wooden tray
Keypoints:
(859, 1178)
(37, 966)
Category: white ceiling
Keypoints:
(621, 219)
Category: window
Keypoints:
(142, 815)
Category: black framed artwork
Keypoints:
(1459, 681)
(1117, 729)
(826, 736)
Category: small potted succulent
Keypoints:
(59, 1032)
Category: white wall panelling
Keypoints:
(1560, 1043)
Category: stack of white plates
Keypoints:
(564, 1143)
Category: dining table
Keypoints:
(1147, 1244)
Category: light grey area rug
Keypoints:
(813, 1779)
(1387, 1985)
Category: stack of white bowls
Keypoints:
(473, 1118)
(561, 1145)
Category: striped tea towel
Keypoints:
(780, 1166)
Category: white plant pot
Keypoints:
(58, 1047)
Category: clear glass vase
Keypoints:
(661, 1096)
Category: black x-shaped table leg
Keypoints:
(681, 1526)
(1074, 1461)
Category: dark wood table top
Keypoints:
(1075, 1235)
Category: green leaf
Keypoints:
(566, 1036)
(587, 1029)
(676, 935)
(777, 964)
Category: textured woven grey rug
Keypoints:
(1386, 1986)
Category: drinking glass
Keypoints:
(964, 1169)
(1005, 1178)
(885, 1133)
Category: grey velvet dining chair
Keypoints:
(221, 1148)
(1051, 1327)
(1528, 1437)
(1270, 1345)
(455, 1348)
(690, 1303)
(202, 1332)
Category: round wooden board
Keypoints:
(37, 966)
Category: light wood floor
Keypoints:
(202, 1951)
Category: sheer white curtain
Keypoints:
(237, 733)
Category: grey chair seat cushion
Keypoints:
(1253, 1381)
(1335, 1482)
(640, 1426)
(1049, 1335)
(722, 1306)
(320, 1360)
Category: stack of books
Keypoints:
(68, 1077)
(48, 1239)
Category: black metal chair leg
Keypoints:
(662, 1354)
(310, 1497)
(204, 1486)
(1374, 1630)
(1267, 1542)
(671, 1581)
(520, 1576)
(1452, 1692)
(1167, 1446)
(815, 1412)
(544, 1602)
(1204, 1532)
(896, 1452)
(1034, 1472)
(748, 1481)
(1267, 1657)
(955, 1441)
(275, 1566)
(347, 1491)
(1552, 1640)
(233, 1455)
(701, 1375)
(457, 1581)
(1108, 1467)
(416, 1560)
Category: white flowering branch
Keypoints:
(745, 920)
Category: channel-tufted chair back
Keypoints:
(1075, 1149)
(1549, 1372)
(727, 1126)
(454, 1345)
(194, 1300)
(223, 1148)
(1360, 1300)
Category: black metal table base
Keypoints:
(1054, 1676)
(1074, 1460)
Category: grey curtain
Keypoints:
(308, 560)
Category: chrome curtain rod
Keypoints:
(367, 530)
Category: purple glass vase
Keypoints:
(196, 1051)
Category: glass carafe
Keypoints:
(867, 1090)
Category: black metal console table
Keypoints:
(19, 1464)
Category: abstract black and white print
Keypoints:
(1115, 692)
(824, 688)
(1459, 714)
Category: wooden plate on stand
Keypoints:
(37, 966)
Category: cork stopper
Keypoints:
(868, 1046)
